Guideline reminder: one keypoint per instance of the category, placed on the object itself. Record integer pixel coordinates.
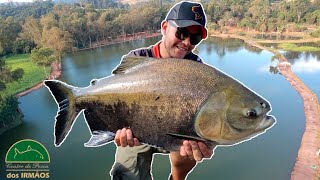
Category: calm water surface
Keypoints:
(269, 156)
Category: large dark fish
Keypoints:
(163, 101)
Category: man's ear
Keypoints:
(164, 27)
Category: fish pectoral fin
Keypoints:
(100, 138)
(186, 137)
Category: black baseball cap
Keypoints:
(186, 14)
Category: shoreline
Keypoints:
(56, 71)
(121, 39)
(307, 165)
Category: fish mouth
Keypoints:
(267, 122)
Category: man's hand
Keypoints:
(195, 150)
(124, 138)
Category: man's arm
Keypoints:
(185, 160)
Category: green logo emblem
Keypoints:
(27, 151)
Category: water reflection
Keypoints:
(222, 46)
(310, 66)
(296, 55)
(303, 62)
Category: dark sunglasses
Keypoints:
(182, 33)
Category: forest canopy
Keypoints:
(25, 26)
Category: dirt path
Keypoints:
(55, 72)
(307, 165)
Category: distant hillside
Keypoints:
(130, 2)
(66, 1)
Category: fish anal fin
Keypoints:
(100, 138)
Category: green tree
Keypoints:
(9, 111)
(314, 17)
(57, 40)
(91, 23)
(49, 21)
(259, 12)
(299, 8)
(32, 31)
(43, 57)
(9, 30)
(22, 10)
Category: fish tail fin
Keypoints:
(67, 113)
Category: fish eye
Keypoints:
(251, 113)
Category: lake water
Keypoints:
(269, 156)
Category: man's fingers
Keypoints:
(136, 142)
(129, 137)
(117, 138)
(206, 152)
(197, 155)
(123, 137)
(188, 149)
(183, 151)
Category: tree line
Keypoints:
(64, 27)
(264, 15)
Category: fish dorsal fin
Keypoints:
(186, 137)
(129, 62)
(29, 148)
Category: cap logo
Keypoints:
(197, 15)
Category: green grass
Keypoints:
(32, 75)
(296, 48)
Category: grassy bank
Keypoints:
(294, 45)
(32, 75)
(296, 48)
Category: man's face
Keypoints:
(176, 48)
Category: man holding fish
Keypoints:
(181, 107)
(183, 28)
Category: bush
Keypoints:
(213, 26)
(316, 33)
(9, 110)
(241, 34)
(296, 28)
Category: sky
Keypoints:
(2, 1)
